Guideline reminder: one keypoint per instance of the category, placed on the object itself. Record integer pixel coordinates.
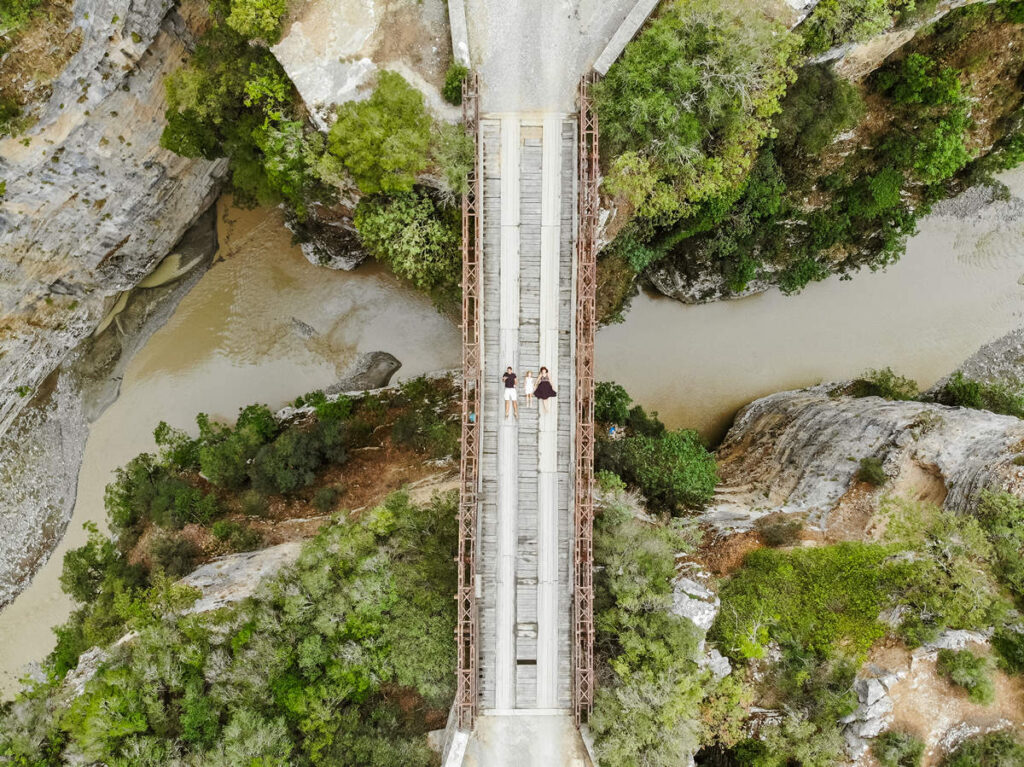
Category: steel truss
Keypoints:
(586, 322)
(466, 696)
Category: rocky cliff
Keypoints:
(92, 202)
(799, 452)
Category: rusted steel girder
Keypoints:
(466, 696)
(586, 322)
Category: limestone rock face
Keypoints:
(234, 577)
(92, 202)
(799, 451)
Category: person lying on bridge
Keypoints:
(544, 389)
(509, 379)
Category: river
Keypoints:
(242, 335)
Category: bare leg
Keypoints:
(506, 408)
(515, 408)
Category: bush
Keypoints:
(257, 18)
(998, 397)
(383, 141)
(967, 670)
(238, 537)
(825, 601)
(611, 403)
(302, 672)
(415, 236)
(779, 532)
(14, 14)
(173, 554)
(871, 471)
(672, 471)
(818, 106)
(254, 504)
(427, 432)
(834, 22)
(326, 499)
(647, 712)
(453, 79)
(996, 749)
(898, 749)
(885, 383)
(289, 463)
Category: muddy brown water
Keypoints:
(242, 335)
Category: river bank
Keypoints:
(263, 325)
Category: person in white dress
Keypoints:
(528, 388)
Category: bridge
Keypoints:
(525, 628)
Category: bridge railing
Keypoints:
(586, 322)
(466, 696)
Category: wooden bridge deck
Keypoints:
(524, 562)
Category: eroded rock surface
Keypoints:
(799, 452)
(92, 202)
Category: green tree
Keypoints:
(414, 235)
(257, 18)
(686, 106)
(672, 471)
(383, 141)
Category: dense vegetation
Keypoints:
(345, 658)
(818, 611)
(219, 486)
(233, 99)
(788, 203)
(654, 705)
(673, 469)
(956, 391)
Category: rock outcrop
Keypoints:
(92, 202)
(799, 452)
(41, 453)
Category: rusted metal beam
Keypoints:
(586, 322)
(466, 696)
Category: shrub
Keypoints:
(647, 712)
(870, 470)
(383, 141)
(885, 383)
(416, 237)
(611, 403)
(254, 504)
(918, 79)
(14, 14)
(640, 422)
(818, 106)
(173, 554)
(898, 749)
(454, 153)
(289, 463)
(997, 397)
(823, 600)
(257, 18)
(834, 22)
(996, 749)
(672, 471)
(326, 498)
(779, 532)
(970, 671)
(238, 537)
(453, 79)
(427, 432)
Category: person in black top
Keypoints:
(509, 379)
(544, 390)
